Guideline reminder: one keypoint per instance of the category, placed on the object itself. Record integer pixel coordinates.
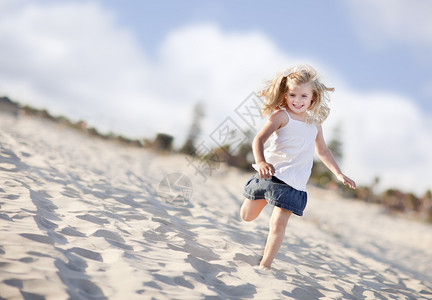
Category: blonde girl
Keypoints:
(297, 102)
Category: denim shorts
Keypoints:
(277, 193)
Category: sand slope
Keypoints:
(81, 218)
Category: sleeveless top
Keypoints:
(291, 151)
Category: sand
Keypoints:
(85, 218)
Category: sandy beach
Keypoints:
(86, 218)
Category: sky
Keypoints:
(137, 68)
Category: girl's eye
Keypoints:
(292, 95)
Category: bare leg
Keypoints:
(250, 209)
(278, 222)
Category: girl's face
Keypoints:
(299, 99)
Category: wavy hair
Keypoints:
(275, 90)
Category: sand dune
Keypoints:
(84, 218)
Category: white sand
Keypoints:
(80, 218)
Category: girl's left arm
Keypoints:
(327, 158)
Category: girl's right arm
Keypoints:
(276, 121)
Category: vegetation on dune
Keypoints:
(16, 109)
(393, 200)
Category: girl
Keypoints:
(297, 102)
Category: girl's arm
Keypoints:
(327, 158)
(276, 121)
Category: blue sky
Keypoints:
(325, 30)
(138, 67)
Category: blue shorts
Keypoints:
(277, 193)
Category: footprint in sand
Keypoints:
(73, 275)
(70, 192)
(71, 231)
(38, 238)
(113, 238)
(10, 162)
(87, 253)
(93, 219)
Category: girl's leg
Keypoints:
(278, 222)
(250, 209)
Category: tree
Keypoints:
(189, 146)
(320, 174)
(335, 144)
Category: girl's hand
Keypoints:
(346, 180)
(265, 170)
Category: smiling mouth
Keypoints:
(298, 106)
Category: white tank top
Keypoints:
(291, 151)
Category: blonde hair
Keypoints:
(275, 90)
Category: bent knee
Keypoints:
(246, 217)
(251, 209)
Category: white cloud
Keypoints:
(385, 22)
(204, 63)
(385, 135)
(74, 59)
